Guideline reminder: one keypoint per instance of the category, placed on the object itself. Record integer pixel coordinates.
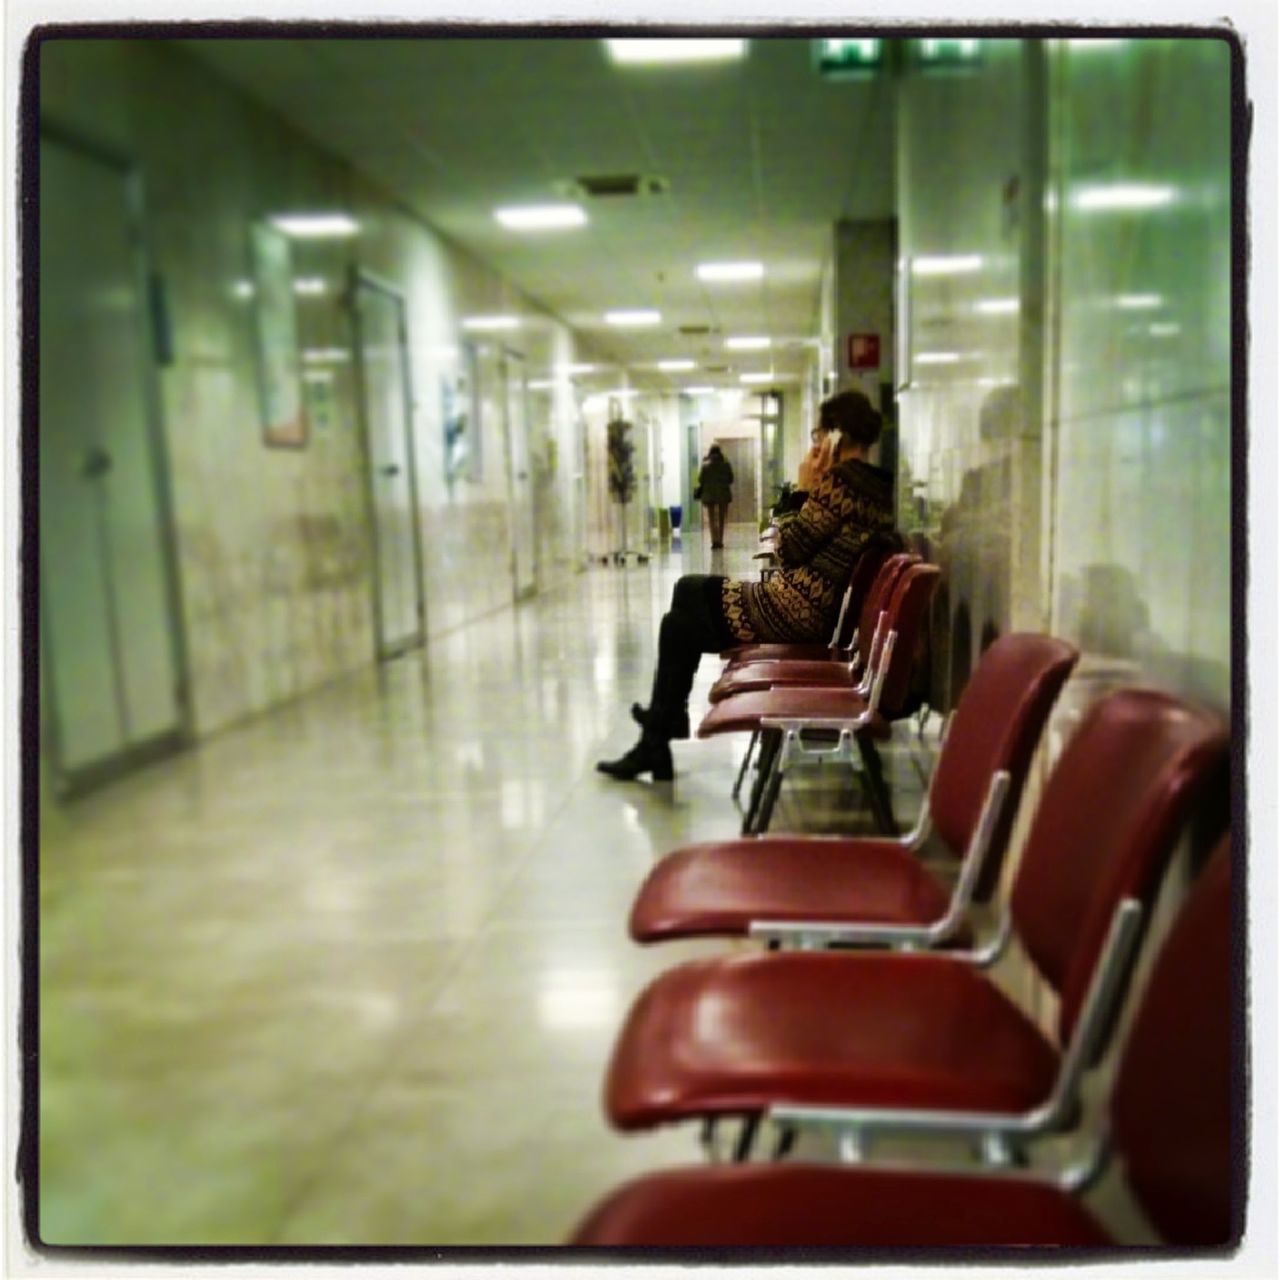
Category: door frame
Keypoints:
(150, 287)
(507, 356)
(362, 279)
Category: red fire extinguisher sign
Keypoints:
(864, 351)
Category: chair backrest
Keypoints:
(1105, 827)
(996, 726)
(1171, 1107)
(862, 577)
(877, 600)
(904, 617)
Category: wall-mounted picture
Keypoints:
(462, 456)
(284, 423)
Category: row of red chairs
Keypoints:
(843, 702)
(878, 1016)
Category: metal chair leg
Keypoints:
(770, 744)
(746, 760)
(877, 790)
(746, 1138)
(773, 786)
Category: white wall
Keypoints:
(273, 546)
(1100, 509)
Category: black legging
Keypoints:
(694, 625)
(716, 512)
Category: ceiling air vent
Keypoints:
(601, 186)
(695, 330)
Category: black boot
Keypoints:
(649, 755)
(673, 728)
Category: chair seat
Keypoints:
(769, 651)
(722, 886)
(765, 675)
(743, 712)
(732, 1035)
(797, 1205)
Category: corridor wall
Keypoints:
(273, 545)
(1064, 317)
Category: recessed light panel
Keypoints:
(541, 217)
(316, 226)
(746, 344)
(722, 271)
(676, 366)
(485, 323)
(658, 51)
(756, 377)
(633, 319)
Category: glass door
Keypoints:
(385, 402)
(524, 548)
(108, 632)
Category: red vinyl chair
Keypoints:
(1171, 1117)
(819, 889)
(875, 1038)
(875, 575)
(787, 715)
(838, 665)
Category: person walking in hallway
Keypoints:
(816, 546)
(715, 492)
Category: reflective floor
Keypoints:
(350, 973)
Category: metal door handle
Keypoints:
(97, 462)
(391, 469)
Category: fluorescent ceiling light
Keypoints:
(996, 306)
(572, 369)
(317, 375)
(746, 344)
(623, 393)
(1138, 301)
(730, 270)
(632, 317)
(242, 289)
(316, 226)
(1121, 195)
(541, 384)
(946, 264)
(756, 377)
(698, 391)
(491, 322)
(675, 366)
(1164, 330)
(309, 286)
(937, 357)
(326, 355)
(694, 50)
(541, 217)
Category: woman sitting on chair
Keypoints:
(816, 549)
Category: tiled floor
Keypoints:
(350, 973)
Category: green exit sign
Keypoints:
(949, 51)
(849, 57)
